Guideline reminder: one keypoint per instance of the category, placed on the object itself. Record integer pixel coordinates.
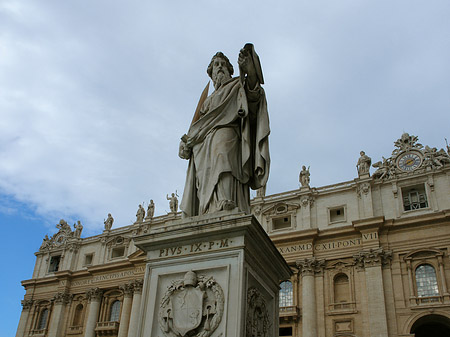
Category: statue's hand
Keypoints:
(184, 152)
(245, 62)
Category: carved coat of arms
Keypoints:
(191, 307)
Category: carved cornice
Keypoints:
(62, 298)
(27, 304)
(372, 258)
(94, 294)
(310, 266)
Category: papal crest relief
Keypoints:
(191, 307)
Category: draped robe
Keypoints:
(229, 150)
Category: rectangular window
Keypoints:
(414, 197)
(88, 258)
(54, 263)
(285, 331)
(337, 214)
(281, 222)
(118, 252)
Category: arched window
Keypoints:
(341, 289)
(115, 312)
(426, 281)
(42, 324)
(78, 316)
(286, 294)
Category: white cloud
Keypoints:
(96, 95)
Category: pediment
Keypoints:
(421, 253)
(280, 208)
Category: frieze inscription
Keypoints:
(324, 246)
(112, 276)
(197, 247)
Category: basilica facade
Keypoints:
(369, 257)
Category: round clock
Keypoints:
(59, 239)
(409, 161)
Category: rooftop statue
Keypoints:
(227, 143)
(304, 176)
(363, 164)
(108, 222)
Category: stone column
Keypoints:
(372, 260)
(57, 317)
(26, 306)
(94, 297)
(126, 309)
(308, 268)
(137, 287)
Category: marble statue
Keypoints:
(108, 222)
(363, 164)
(173, 202)
(45, 242)
(227, 142)
(78, 228)
(150, 210)
(64, 226)
(304, 176)
(140, 214)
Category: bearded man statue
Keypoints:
(227, 143)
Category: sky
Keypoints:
(95, 95)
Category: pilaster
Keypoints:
(135, 308)
(26, 306)
(308, 268)
(126, 309)
(371, 261)
(94, 296)
(57, 317)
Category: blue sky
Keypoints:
(94, 97)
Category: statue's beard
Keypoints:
(219, 79)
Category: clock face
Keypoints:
(59, 239)
(409, 162)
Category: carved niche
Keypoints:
(192, 306)
(258, 322)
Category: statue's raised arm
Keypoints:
(227, 142)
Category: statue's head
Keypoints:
(304, 168)
(362, 153)
(220, 69)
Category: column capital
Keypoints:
(137, 285)
(127, 289)
(27, 304)
(310, 266)
(94, 294)
(373, 257)
(62, 298)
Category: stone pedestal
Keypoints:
(214, 275)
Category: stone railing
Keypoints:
(75, 330)
(342, 306)
(289, 312)
(107, 328)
